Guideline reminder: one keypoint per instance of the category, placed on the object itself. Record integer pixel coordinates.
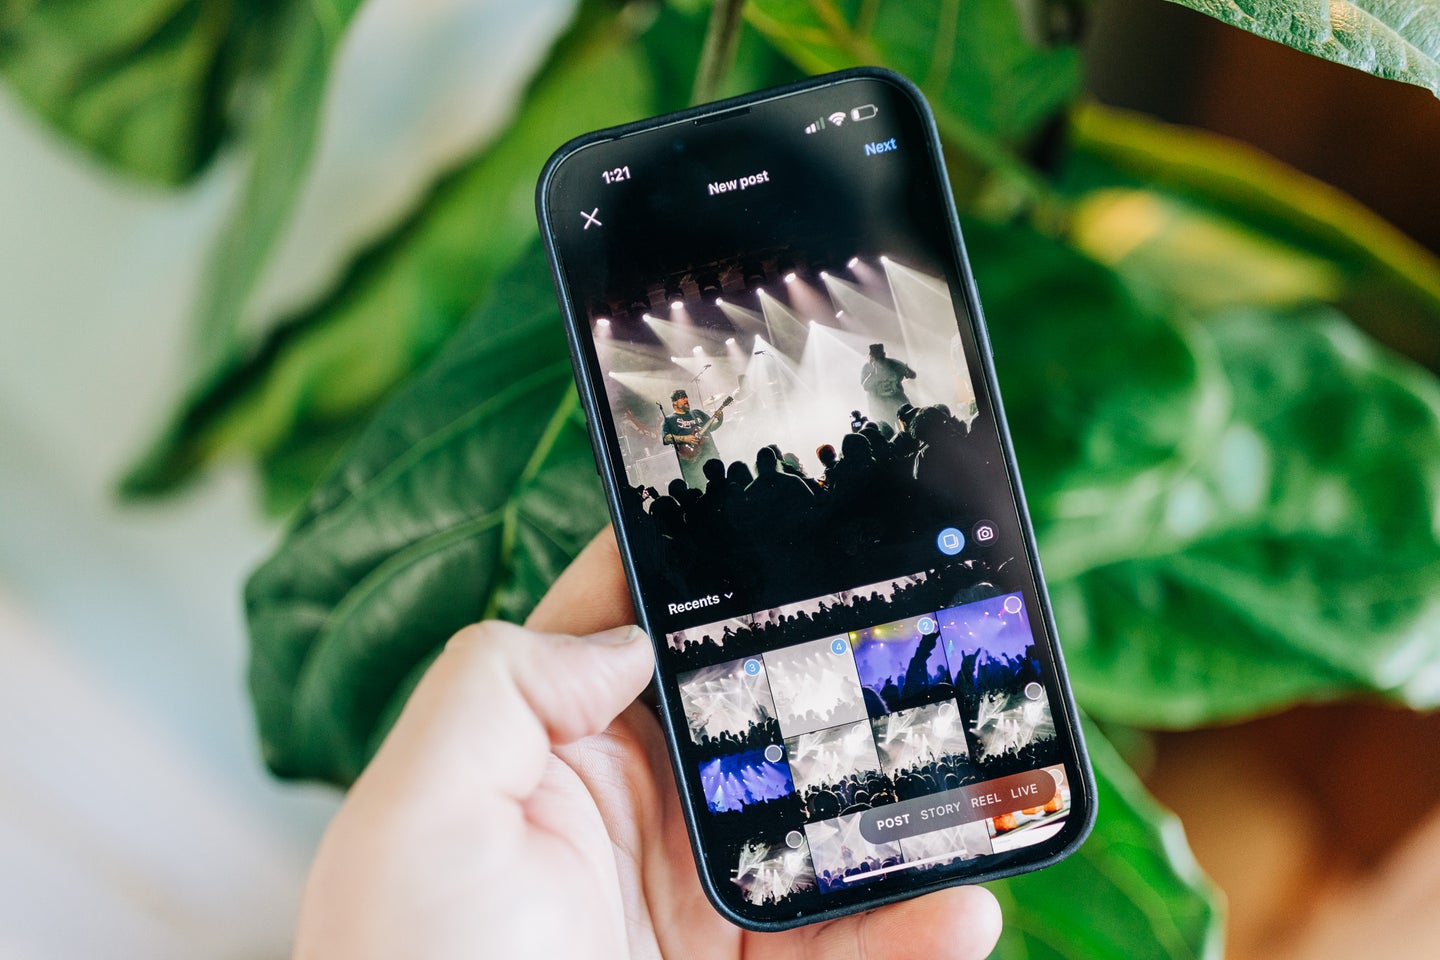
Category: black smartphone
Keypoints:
(780, 351)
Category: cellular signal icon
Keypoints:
(836, 118)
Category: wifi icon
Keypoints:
(837, 118)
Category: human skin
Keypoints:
(524, 806)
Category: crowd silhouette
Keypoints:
(852, 793)
(932, 776)
(834, 614)
(760, 733)
(775, 529)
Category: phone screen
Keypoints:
(769, 309)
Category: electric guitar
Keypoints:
(690, 452)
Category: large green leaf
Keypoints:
(972, 59)
(1394, 39)
(1234, 515)
(1311, 542)
(324, 370)
(1109, 402)
(990, 86)
(463, 499)
(142, 84)
(281, 143)
(1211, 222)
(1132, 892)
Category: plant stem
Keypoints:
(721, 38)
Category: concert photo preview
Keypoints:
(793, 425)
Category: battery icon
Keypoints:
(864, 112)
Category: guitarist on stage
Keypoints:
(688, 431)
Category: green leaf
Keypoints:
(282, 141)
(972, 59)
(1394, 39)
(1109, 403)
(673, 45)
(403, 296)
(141, 84)
(1132, 892)
(1210, 221)
(1233, 515)
(1310, 543)
(463, 499)
(990, 86)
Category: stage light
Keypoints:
(649, 319)
(789, 278)
(729, 341)
(602, 322)
(676, 304)
(854, 262)
(824, 275)
(699, 350)
(884, 259)
(718, 301)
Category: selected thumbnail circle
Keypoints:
(793, 839)
(773, 753)
(1012, 605)
(1033, 690)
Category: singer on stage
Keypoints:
(883, 379)
(688, 431)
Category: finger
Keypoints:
(500, 697)
(961, 923)
(590, 595)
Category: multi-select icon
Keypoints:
(863, 112)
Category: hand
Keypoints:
(691, 438)
(523, 806)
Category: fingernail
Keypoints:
(617, 637)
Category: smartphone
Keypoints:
(781, 356)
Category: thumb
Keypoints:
(500, 697)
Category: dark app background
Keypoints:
(789, 604)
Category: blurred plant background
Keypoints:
(1208, 268)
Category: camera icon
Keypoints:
(984, 532)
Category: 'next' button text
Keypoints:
(880, 146)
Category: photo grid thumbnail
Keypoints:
(807, 738)
(923, 750)
(902, 664)
(837, 771)
(729, 706)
